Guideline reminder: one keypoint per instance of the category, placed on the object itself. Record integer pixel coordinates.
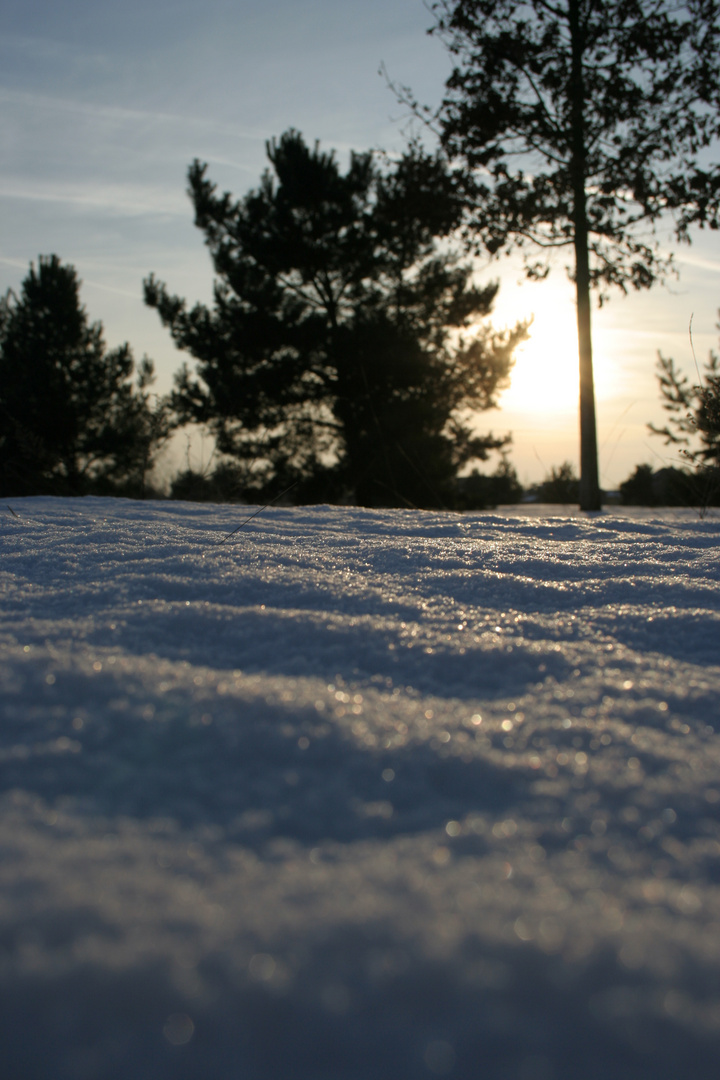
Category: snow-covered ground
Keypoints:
(358, 795)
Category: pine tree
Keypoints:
(71, 420)
(694, 411)
(578, 124)
(337, 355)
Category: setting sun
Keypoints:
(545, 375)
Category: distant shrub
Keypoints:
(561, 485)
(478, 491)
(224, 484)
(672, 487)
(638, 489)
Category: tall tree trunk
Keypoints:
(590, 495)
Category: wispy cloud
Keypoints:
(132, 294)
(118, 199)
(121, 114)
(18, 263)
(698, 261)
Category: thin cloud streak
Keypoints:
(127, 200)
(699, 262)
(121, 113)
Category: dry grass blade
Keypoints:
(259, 511)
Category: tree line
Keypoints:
(76, 418)
(348, 351)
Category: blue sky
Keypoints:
(104, 105)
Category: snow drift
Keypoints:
(358, 795)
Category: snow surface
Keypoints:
(357, 795)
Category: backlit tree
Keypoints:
(579, 124)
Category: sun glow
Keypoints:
(544, 380)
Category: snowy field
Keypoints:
(358, 795)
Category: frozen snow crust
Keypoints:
(357, 795)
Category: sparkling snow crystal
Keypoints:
(358, 795)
